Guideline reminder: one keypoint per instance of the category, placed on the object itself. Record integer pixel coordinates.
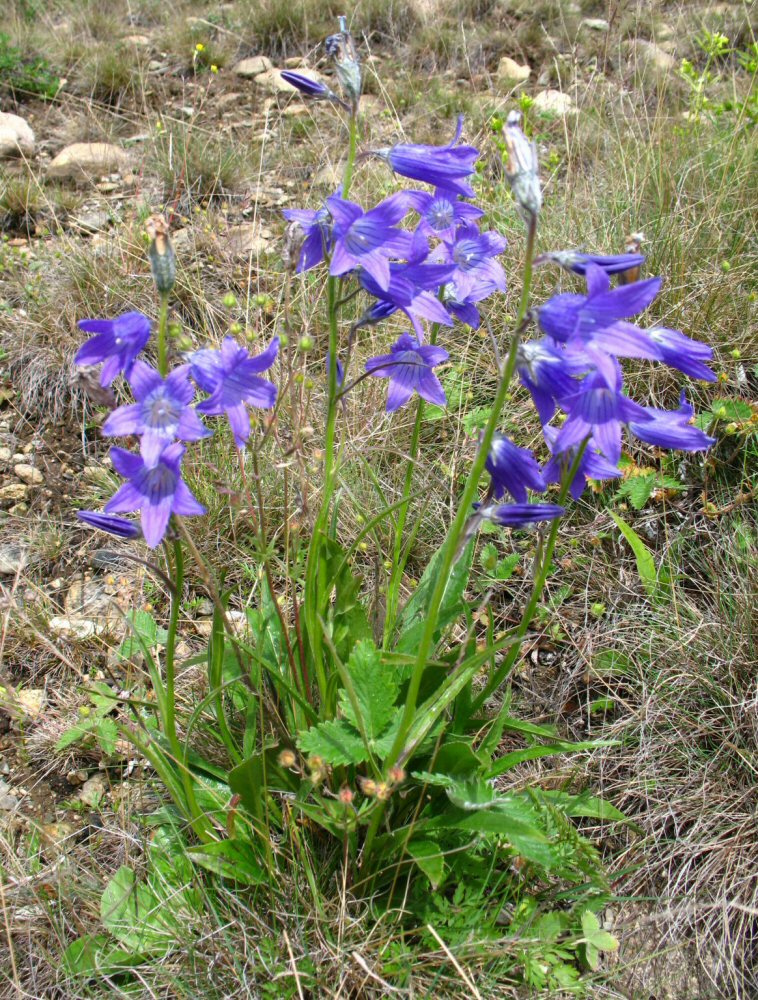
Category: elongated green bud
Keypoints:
(161, 254)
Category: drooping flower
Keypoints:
(315, 232)
(162, 411)
(409, 369)
(671, 428)
(442, 212)
(577, 262)
(440, 166)
(513, 469)
(156, 491)
(117, 342)
(339, 366)
(592, 464)
(462, 304)
(596, 322)
(368, 239)
(682, 353)
(548, 373)
(518, 515)
(117, 526)
(232, 377)
(314, 89)
(599, 410)
(408, 290)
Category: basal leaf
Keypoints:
(413, 618)
(429, 858)
(642, 554)
(335, 741)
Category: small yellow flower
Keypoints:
(199, 47)
(214, 68)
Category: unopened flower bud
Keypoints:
(305, 343)
(383, 791)
(342, 50)
(287, 758)
(396, 775)
(346, 796)
(229, 300)
(368, 787)
(522, 168)
(161, 254)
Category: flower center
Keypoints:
(161, 412)
(441, 214)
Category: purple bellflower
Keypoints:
(463, 304)
(315, 227)
(513, 469)
(117, 342)
(672, 428)
(409, 369)
(599, 410)
(547, 371)
(595, 322)
(442, 166)
(576, 261)
(368, 239)
(117, 526)
(442, 212)
(592, 464)
(157, 491)
(519, 515)
(162, 411)
(408, 291)
(473, 254)
(682, 353)
(313, 89)
(232, 377)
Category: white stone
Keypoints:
(16, 136)
(32, 701)
(554, 102)
(650, 60)
(245, 239)
(28, 474)
(595, 24)
(87, 161)
(72, 628)
(253, 66)
(511, 73)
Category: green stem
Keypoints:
(454, 535)
(539, 585)
(348, 176)
(162, 337)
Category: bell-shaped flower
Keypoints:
(409, 369)
(117, 526)
(162, 411)
(315, 234)
(513, 469)
(671, 428)
(232, 377)
(592, 464)
(473, 254)
(117, 342)
(442, 212)
(520, 515)
(368, 239)
(577, 262)
(156, 490)
(682, 353)
(548, 372)
(441, 166)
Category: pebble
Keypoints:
(13, 491)
(28, 474)
(253, 66)
(554, 102)
(13, 559)
(511, 73)
(32, 701)
(16, 136)
(88, 161)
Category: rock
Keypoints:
(5, 454)
(595, 24)
(650, 61)
(253, 66)
(99, 605)
(8, 800)
(77, 776)
(32, 701)
(95, 221)
(510, 73)
(140, 41)
(13, 492)
(88, 161)
(72, 628)
(273, 82)
(16, 136)
(93, 791)
(246, 239)
(28, 474)
(554, 102)
(294, 62)
(13, 558)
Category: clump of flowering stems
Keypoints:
(422, 253)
